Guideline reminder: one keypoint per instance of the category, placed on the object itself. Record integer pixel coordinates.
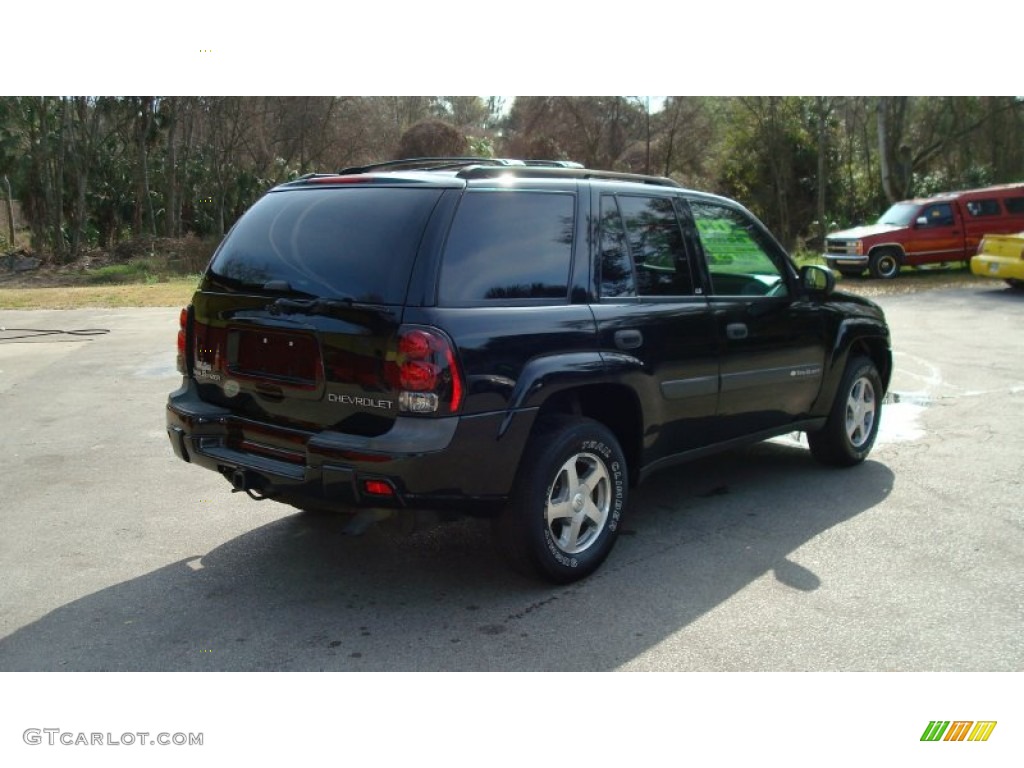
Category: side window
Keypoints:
(656, 245)
(616, 269)
(987, 207)
(509, 245)
(737, 253)
(938, 215)
(1014, 204)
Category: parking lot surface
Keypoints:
(117, 556)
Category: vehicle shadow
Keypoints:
(298, 594)
(1002, 293)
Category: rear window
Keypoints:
(355, 243)
(509, 245)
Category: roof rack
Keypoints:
(417, 163)
(443, 163)
(546, 163)
(564, 172)
(492, 167)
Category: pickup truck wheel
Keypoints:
(848, 435)
(885, 264)
(565, 512)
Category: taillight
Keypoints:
(425, 372)
(183, 342)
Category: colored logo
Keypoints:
(958, 730)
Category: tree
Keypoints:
(90, 170)
(432, 138)
(683, 133)
(594, 130)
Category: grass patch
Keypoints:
(176, 292)
(133, 272)
(804, 258)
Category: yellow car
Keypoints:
(1001, 256)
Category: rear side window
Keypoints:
(646, 229)
(987, 207)
(509, 245)
(616, 269)
(355, 243)
(1014, 204)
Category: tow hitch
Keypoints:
(248, 482)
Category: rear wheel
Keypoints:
(852, 426)
(885, 264)
(565, 512)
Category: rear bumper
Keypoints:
(1002, 267)
(457, 463)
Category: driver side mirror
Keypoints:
(922, 221)
(817, 279)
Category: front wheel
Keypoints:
(852, 426)
(885, 265)
(565, 512)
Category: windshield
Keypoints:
(900, 215)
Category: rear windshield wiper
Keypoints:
(308, 306)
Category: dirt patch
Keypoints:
(141, 260)
(914, 281)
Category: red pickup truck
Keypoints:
(943, 228)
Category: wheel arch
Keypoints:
(617, 406)
(886, 261)
(877, 350)
(855, 337)
(895, 247)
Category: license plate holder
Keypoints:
(284, 357)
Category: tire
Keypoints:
(852, 426)
(1014, 283)
(885, 264)
(564, 515)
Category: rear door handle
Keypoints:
(736, 331)
(631, 339)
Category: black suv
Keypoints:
(510, 339)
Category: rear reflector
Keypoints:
(183, 341)
(378, 488)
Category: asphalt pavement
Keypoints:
(115, 555)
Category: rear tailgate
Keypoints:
(297, 320)
(311, 372)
